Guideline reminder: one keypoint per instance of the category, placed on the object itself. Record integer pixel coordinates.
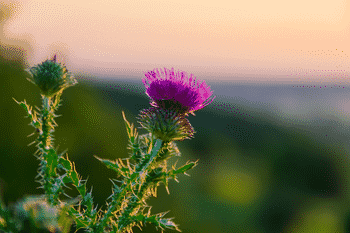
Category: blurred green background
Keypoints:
(265, 177)
(254, 174)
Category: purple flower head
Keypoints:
(170, 90)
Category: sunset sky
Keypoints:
(252, 40)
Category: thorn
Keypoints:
(167, 189)
(31, 143)
(174, 166)
(135, 194)
(110, 197)
(15, 100)
(57, 147)
(163, 213)
(31, 134)
(67, 187)
(112, 182)
(67, 195)
(96, 207)
(57, 116)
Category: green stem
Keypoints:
(45, 137)
(135, 201)
(116, 203)
(46, 102)
(48, 154)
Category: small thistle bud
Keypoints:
(166, 124)
(36, 212)
(51, 77)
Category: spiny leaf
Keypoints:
(74, 175)
(109, 164)
(32, 116)
(185, 167)
(156, 220)
(67, 180)
(82, 189)
(80, 223)
(66, 163)
(87, 200)
(132, 133)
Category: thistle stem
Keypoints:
(48, 156)
(46, 102)
(132, 204)
(45, 138)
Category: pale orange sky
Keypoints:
(221, 40)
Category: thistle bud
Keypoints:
(51, 77)
(36, 213)
(166, 124)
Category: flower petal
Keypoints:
(187, 91)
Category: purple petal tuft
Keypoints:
(168, 89)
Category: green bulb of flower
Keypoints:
(166, 124)
(51, 77)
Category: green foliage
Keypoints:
(140, 180)
(141, 175)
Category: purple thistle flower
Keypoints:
(170, 90)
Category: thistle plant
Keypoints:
(173, 96)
